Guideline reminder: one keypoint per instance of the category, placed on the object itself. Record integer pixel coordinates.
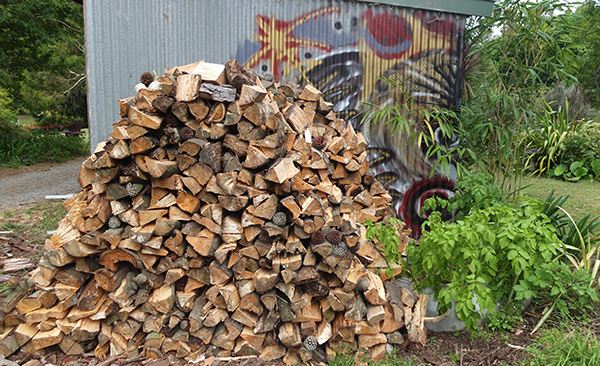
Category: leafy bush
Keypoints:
(580, 153)
(569, 291)
(43, 58)
(519, 66)
(475, 191)
(9, 128)
(485, 254)
(31, 147)
(570, 231)
(544, 141)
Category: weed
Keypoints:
(484, 254)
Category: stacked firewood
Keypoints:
(222, 217)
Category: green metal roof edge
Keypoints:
(467, 7)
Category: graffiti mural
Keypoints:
(351, 55)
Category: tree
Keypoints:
(517, 64)
(587, 63)
(42, 63)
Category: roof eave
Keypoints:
(466, 7)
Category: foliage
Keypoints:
(42, 65)
(475, 191)
(31, 147)
(7, 115)
(388, 236)
(520, 65)
(483, 254)
(580, 153)
(580, 202)
(349, 359)
(566, 345)
(504, 320)
(546, 139)
(579, 236)
(420, 124)
(586, 33)
(570, 292)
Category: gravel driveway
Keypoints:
(33, 184)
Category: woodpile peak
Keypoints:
(223, 216)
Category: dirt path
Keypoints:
(28, 184)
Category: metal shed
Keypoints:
(344, 48)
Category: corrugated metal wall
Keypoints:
(342, 47)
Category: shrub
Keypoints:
(545, 139)
(569, 291)
(485, 254)
(31, 147)
(580, 153)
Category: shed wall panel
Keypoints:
(345, 48)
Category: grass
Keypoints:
(584, 195)
(31, 223)
(349, 359)
(566, 345)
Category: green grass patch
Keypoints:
(8, 214)
(584, 195)
(566, 345)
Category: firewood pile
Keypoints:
(222, 217)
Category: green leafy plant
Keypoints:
(580, 153)
(576, 171)
(483, 256)
(505, 320)
(42, 65)
(516, 69)
(31, 147)
(581, 237)
(474, 191)
(387, 236)
(545, 141)
(568, 291)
